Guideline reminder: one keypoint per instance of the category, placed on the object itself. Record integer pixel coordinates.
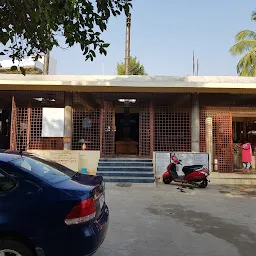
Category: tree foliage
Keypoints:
(246, 45)
(30, 27)
(135, 68)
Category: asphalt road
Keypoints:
(149, 220)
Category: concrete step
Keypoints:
(124, 169)
(126, 174)
(131, 170)
(133, 163)
(128, 180)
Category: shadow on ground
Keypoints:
(239, 236)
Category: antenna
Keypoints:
(197, 67)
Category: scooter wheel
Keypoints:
(167, 180)
(203, 183)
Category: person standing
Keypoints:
(246, 154)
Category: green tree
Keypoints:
(135, 68)
(246, 44)
(31, 27)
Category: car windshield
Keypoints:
(46, 170)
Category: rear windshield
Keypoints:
(48, 171)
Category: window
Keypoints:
(5, 183)
(43, 169)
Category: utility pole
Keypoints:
(128, 44)
(46, 62)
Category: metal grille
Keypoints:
(86, 129)
(107, 120)
(145, 116)
(29, 130)
(22, 125)
(36, 139)
(13, 141)
(224, 142)
(172, 129)
(221, 135)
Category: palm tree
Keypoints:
(246, 44)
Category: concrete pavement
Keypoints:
(162, 220)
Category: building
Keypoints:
(109, 116)
(31, 66)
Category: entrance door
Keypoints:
(244, 129)
(5, 120)
(127, 134)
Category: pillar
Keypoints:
(28, 128)
(195, 123)
(209, 140)
(68, 120)
(128, 44)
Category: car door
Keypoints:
(7, 188)
(21, 202)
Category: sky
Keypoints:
(164, 34)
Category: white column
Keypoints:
(209, 140)
(195, 123)
(68, 121)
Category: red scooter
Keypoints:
(194, 174)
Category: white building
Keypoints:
(29, 63)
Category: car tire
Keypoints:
(15, 248)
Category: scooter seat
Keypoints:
(192, 168)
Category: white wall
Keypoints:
(73, 159)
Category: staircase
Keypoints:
(130, 170)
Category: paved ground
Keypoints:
(149, 220)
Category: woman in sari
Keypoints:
(246, 154)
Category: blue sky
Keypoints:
(164, 35)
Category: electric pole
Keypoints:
(46, 62)
(128, 44)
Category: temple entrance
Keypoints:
(127, 134)
(126, 128)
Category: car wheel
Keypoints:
(13, 248)
(202, 184)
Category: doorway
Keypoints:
(243, 129)
(5, 126)
(127, 134)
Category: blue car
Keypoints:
(47, 209)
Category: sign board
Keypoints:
(163, 160)
(53, 122)
(70, 159)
